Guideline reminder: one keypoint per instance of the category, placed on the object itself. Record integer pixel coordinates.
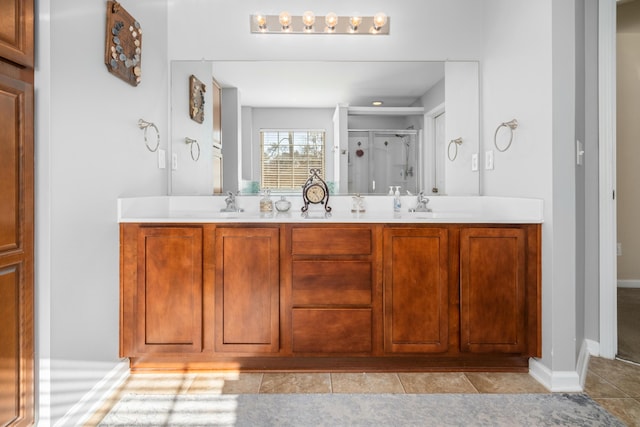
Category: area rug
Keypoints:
(359, 410)
(628, 324)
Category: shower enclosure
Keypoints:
(379, 159)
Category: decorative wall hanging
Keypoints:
(196, 99)
(123, 44)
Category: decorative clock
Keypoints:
(315, 191)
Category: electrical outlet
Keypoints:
(619, 249)
(162, 159)
(488, 160)
(474, 162)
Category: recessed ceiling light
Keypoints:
(377, 103)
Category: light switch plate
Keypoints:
(474, 162)
(579, 152)
(488, 160)
(162, 159)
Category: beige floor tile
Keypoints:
(596, 386)
(627, 409)
(366, 383)
(623, 375)
(296, 383)
(436, 382)
(503, 382)
(226, 383)
(159, 383)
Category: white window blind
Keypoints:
(287, 156)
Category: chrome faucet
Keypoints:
(421, 205)
(230, 200)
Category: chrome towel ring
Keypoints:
(455, 143)
(511, 125)
(193, 143)
(143, 124)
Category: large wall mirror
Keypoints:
(422, 138)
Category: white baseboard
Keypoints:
(555, 381)
(566, 381)
(96, 397)
(629, 283)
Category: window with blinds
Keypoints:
(287, 156)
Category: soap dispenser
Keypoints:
(266, 204)
(397, 203)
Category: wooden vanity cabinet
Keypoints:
(309, 296)
(247, 289)
(333, 305)
(163, 290)
(416, 289)
(499, 290)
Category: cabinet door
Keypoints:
(169, 294)
(247, 287)
(416, 290)
(492, 290)
(16, 246)
(16, 31)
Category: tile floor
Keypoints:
(612, 383)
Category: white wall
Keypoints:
(89, 151)
(528, 74)
(462, 105)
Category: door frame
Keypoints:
(607, 177)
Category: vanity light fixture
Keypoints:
(377, 103)
(354, 23)
(261, 21)
(331, 20)
(308, 19)
(379, 21)
(285, 23)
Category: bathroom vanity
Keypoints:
(453, 289)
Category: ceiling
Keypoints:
(323, 84)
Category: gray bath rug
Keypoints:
(359, 410)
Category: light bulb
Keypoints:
(379, 19)
(285, 20)
(261, 21)
(331, 20)
(308, 19)
(355, 21)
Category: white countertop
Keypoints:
(379, 209)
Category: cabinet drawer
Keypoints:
(331, 241)
(331, 282)
(331, 330)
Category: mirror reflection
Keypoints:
(379, 161)
(366, 148)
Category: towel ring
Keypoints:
(143, 124)
(193, 143)
(455, 142)
(513, 124)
